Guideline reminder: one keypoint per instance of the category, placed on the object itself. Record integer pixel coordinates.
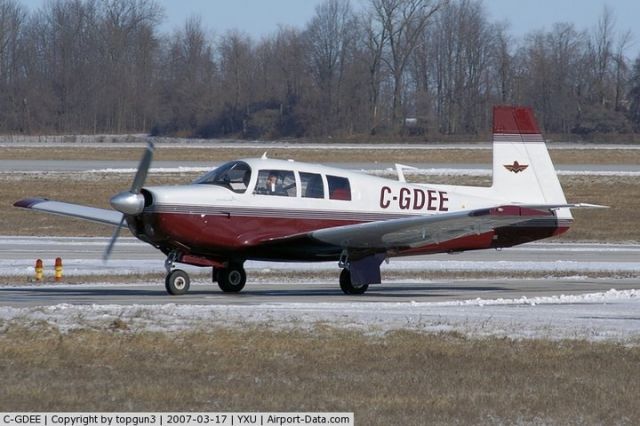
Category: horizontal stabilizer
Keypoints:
(564, 206)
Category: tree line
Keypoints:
(383, 67)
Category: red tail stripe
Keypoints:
(514, 120)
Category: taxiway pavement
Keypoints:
(308, 293)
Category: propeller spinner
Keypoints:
(130, 203)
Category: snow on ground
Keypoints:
(612, 315)
(606, 316)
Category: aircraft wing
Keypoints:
(104, 216)
(418, 231)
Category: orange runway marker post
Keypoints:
(58, 269)
(39, 270)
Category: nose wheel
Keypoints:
(177, 282)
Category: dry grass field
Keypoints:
(399, 378)
(401, 155)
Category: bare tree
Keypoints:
(401, 24)
(621, 68)
(634, 95)
(13, 106)
(502, 61)
(189, 94)
(102, 66)
(128, 38)
(602, 52)
(329, 36)
(461, 58)
(237, 71)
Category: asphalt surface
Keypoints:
(264, 293)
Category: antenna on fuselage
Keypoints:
(400, 168)
(264, 156)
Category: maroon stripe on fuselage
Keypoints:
(225, 236)
(231, 232)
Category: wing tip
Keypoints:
(28, 203)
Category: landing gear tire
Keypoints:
(231, 279)
(177, 282)
(347, 286)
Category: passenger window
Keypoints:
(311, 185)
(339, 188)
(276, 182)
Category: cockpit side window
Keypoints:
(339, 188)
(276, 182)
(311, 185)
(234, 176)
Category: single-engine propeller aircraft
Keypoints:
(277, 210)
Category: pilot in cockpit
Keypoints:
(272, 187)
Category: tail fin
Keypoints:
(522, 169)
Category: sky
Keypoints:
(262, 17)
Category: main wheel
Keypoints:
(347, 286)
(177, 282)
(231, 279)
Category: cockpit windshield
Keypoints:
(234, 176)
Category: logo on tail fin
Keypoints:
(516, 167)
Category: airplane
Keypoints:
(282, 210)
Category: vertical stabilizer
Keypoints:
(522, 169)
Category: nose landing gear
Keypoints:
(177, 281)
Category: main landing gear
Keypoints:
(358, 273)
(230, 279)
(348, 287)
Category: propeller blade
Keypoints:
(130, 202)
(114, 237)
(143, 168)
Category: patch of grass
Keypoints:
(402, 154)
(400, 378)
